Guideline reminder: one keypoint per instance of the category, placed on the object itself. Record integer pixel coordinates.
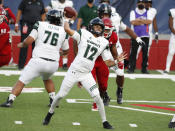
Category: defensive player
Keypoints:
(171, 51)
(90, 46)
(60, 5)
(5, 45)
(104, 11)
(49, 37)
(100, 70)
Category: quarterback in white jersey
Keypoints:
(90, 46)
(49, 37)
(104, 10)
(171, 51)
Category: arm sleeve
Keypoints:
(106, 54)
(122, 26)
(77, 36)
(11, 15)
(65, 45)
(132, 16)
(34, 34)
(21, 5)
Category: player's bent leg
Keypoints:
(16, 91)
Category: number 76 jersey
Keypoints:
(89, 48)
(49, 39)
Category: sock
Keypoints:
(12, 97)
(119, 90)
(52, 95)
(173, 120)
(65, 61)
(100, 105)
(168, 62)
(55, 103)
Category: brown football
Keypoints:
(70, 12)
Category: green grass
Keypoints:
(31, 108)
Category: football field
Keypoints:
(149, 104)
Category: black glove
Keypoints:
(140, 42)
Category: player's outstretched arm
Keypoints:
(29, 40)
(67, 27)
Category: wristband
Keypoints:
(116, 62)
(66, 20)
(16, 24)
(156, 33)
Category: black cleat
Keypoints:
(106, 99)
(64, 66)
(106, 125)
(50, 103)
(171, 125)
(7, 104)
(166, 72)
(130, 71)
(47, 118)
(119, 94)
(145, 72)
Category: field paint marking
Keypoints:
(75, 123)
(112, 75)
(25, 90)
(153, 106)
(134, 109)
(18, 122)
(129, 101)
(133, 125)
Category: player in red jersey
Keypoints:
(5, 46)
(100, 71)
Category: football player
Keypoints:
(171, 49)
(90, 46)
(49, 37)
(5, 45)
(60, 5)
(104, 10)
(100, 70)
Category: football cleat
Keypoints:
(50, 103)
(106, 99)
(106, 125)
(171, 125)
(64, 66)
(8, 103)
(47, 118)
(119, 96)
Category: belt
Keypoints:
(47, 59)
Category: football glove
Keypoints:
(140, 42)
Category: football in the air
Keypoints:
(70, 12)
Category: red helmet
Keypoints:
(108, 27)
(2, 15)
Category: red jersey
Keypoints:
(112, 40)
(5, 46)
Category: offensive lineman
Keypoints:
(171, 51)
(104, 10)
(90, 46)
(60, 5)
(5, 46)
(49, 37)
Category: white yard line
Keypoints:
(112, 75)
(134, 109)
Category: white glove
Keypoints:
(139, 41)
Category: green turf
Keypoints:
(31, 108)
